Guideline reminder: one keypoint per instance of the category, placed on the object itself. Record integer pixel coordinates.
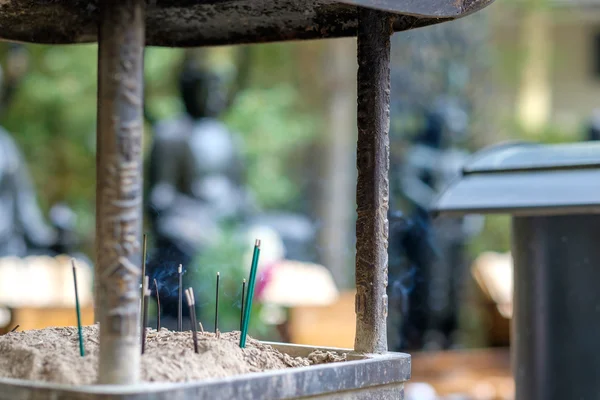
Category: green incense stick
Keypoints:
(81, 349)
(250, 294)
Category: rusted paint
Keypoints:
(372, 186)
(189, 23)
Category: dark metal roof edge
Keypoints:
(468, 170)
(485, 152)
(457, 9)
(541, 168)
(583, 208)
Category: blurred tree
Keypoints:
(534, 99)
(337, 193)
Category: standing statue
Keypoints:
(195, 179)
(434, 250)
(23, 230)
(197, 184)
(438, 96)
(195, 170)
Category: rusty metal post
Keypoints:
(372, 186)
(119, 188)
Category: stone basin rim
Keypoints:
(359, 360)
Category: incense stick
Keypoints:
(217, 304)
(144, 243)
(242, 307)
(78, 309)
(194, 308)
(196, 323)
(14, 329)
(146, 292)
(190, 300)
(250, 294)
(180, 305)
(157, 306)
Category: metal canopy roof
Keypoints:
(188, 23)
(529, 157)
(527, 180)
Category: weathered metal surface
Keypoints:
(429, 8)
(378, 377)
(556, 303)
(527, 179)
(187, 23)
(119, 189)
(372, 185)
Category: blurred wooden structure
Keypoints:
(332, 326)
(38, 292)
(43, 317)
(476, 374)
(493, 273)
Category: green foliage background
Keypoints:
(279, 116)
(53, 119)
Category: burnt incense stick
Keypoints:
(146, 292)
(190, 300)
(157, 306)
(217, 304)
(180, 305)
(14, 329)
(194, 308)
(242, 307)
(78, 310)
(250, 294)
(144, 244)
(196, 323)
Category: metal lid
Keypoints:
(188, 23)
(527, 179)
(529, 156)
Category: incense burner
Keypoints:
(361, 377)
(122, 29)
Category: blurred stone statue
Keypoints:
(433, 250)
(439, 95)
(197, 182)
(23, 230)
(22, 226)
(196, 173)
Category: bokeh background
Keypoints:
(524, 69)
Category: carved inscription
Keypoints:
(119, 188)
(360, 301)
(120, 174)
(385, 305)
(121, 203)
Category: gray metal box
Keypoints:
(553, 194)
(375, 377)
